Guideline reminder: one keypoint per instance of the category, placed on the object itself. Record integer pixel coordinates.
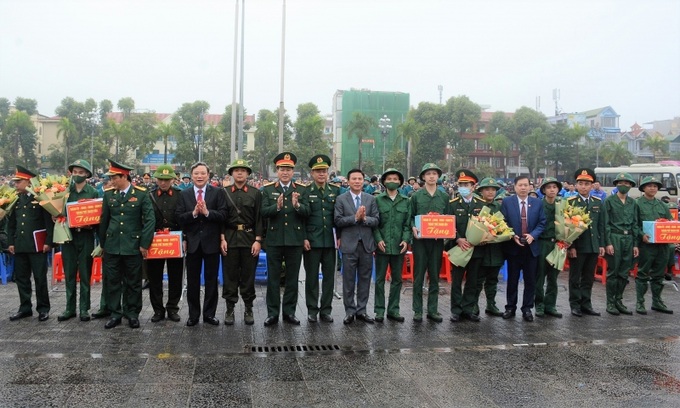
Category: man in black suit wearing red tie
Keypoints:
(201, 210)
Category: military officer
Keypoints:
(653, 257)
(164, 198)
(621, 233)
(393, 235)
(546, 275)
(243, 232)
(125, 231)
(285, 208)
(584, 252)
(492, 258)
(77, 254)
(319, 243)
(29, 235)
(464, 299)
(427, 252)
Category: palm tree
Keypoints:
(361, 126)
(67, 130)
(617, 154)
(409, 131)
(657, 144)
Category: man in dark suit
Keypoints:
(200, 211)
(356, 214)
(525, 216)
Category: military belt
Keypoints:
(242, 227)
(621, 232)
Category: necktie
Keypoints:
(200, 196)
(523, 215)
(122, 194)
(357, 202)
(285, 189)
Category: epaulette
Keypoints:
(140, 188)
(109, 189)
(269, 184)
(597, 198)
(455, 199)
(572, 198)
(301, 184)
(334, 185)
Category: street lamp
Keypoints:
(597, 134)
(385, 127)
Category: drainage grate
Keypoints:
(301, 348)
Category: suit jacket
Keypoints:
(350, 231)
(286, 226)
(535, 222)
(126, 223)
(202, 230)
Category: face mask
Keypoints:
(79, 179)
(464, 191)
(623, 189)
(392, 185)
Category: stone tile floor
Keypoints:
(608, 361)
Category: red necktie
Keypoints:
(200, 196)
(523, 215)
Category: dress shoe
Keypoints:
(20, 315)
(527, 316)
(379, 319)
(508, 314)
(192, 322)
(418, 317)
(157, 317)
(365, 318)
(174, 317)
(553, 313)
(437, 318)
(291, 319)
(455, 318)
(471, 317)
(112, 323)
(576, 312)
(65, 316)
(100, 314)
(312, 319)
(590, 312)
(84, 317)
(326, 318)
(271, 320)
(211, 320)
(43, 316)
(348, 319)
(493, 312)
(396, 318)
(133, 323)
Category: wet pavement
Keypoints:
(608, 361)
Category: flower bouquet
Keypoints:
(570, 223)
(8, 197)
(51, 193)
(485, 228)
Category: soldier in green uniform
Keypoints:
(392, 235)
(77, 254)
(285, 208)
(464, 299)
(243, 232)
(621, 233)
(653, 257)
(584, 252)
(545, 298)
(30, 254)
(427, 252)
(164, 198)
(492, 258)
(319, 244)
(125, 231)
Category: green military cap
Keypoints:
(186, 176)
(584, 174)
(23, 174)
(488, 182)
(320, 161)
(649, 180)
(501, 194)
(240, 164)
(117, 168)
(285, 159)
(165, 172)
(392, 171)
(412, 178)
(466, 176)
(83, 164)
(549, 180)
(624, 177)
(430, 166)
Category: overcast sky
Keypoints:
(622, 53)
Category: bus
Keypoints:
(669, 175)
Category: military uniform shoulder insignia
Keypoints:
(334, 185)
(454, 200)
(301, 184)
(572, 198)
(270, 184)
(597, 198)
(109, 189)
(140, 188)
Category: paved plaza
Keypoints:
(608, 361)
